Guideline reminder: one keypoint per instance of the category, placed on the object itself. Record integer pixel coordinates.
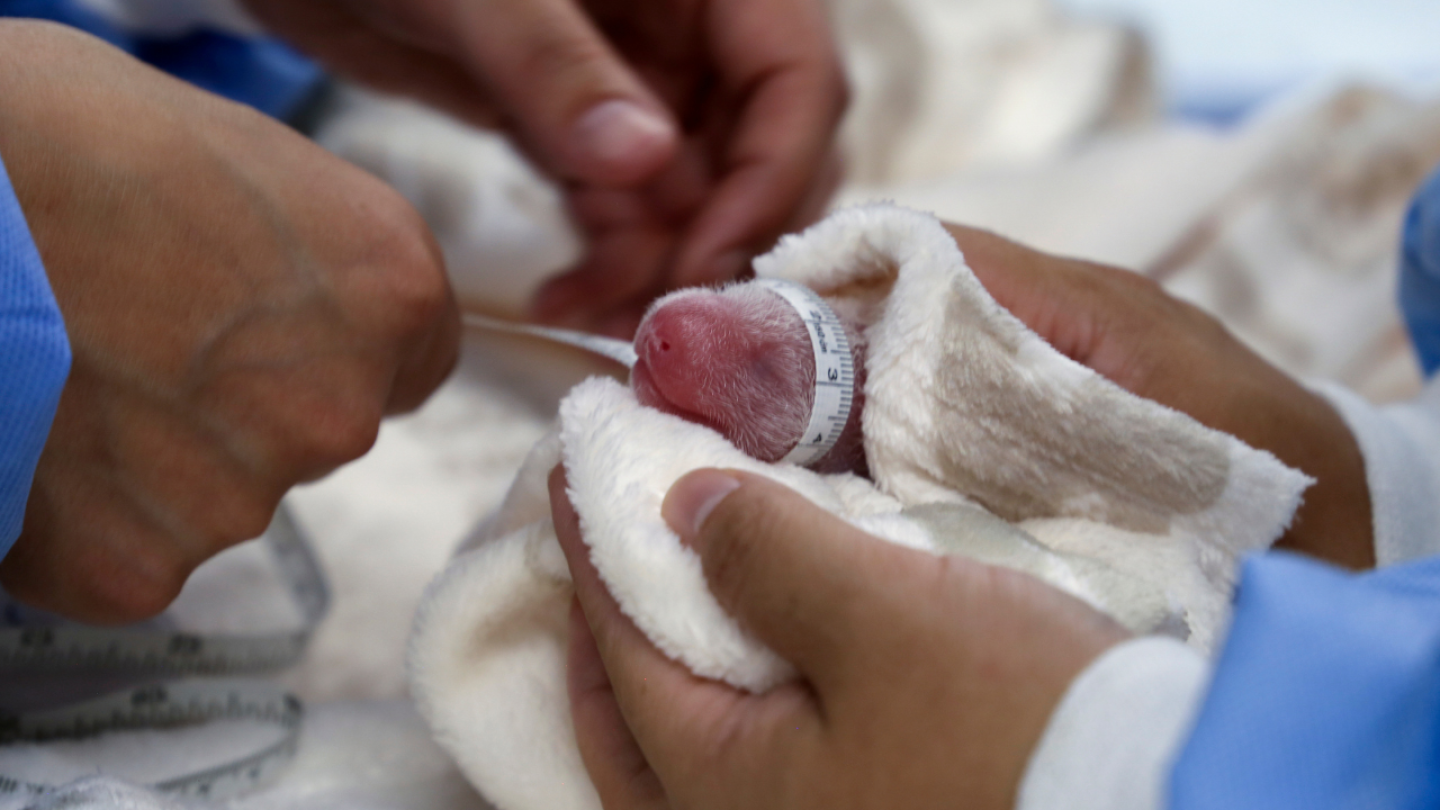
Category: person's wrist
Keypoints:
(1112, 737)
(1059, 639)
(1087, 650)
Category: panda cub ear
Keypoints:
(740, 360)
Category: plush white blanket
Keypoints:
(981, 439)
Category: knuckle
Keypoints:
(563, 58)
(416, 291)
(334, 434)
(332, 417)
(134, 586)
(247, 518)
(418, 301)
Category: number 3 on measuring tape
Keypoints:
(834, 370)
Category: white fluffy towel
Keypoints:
(981, 439)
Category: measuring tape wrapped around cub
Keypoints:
(961, 432)
(767, 364)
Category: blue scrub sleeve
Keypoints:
(34, 353)
(34, 362)
(1420, 274)
(1326, 696)
(262, 72)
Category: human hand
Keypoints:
(242, 308)
(926, 681)
(689, 135)
(1128, 329)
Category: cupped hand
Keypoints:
(1128, 329)
(242, 308)
(925, 681)
(689, 135)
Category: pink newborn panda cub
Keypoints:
(740, 360)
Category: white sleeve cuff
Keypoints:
(1112, 740)
(1401, 446)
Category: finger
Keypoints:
(582, 110)
(1093, 314)
(424, 315)
(791, 90)
(684, 724)
(802, 580)
(354, 47)
(629, 656)
(429, 360)
(619, 267)
(612, 757)
(632, 238)
(623, 321)
(390, 67)
(1011, 272)
(817, 198)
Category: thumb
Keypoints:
(802, 580)
(578, 106)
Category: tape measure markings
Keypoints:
(181, 653)
(166, 653)
(170, 704)
(834, 371)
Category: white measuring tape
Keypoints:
(33, 650)
(167, 705)
(834, 371)
(621, 351)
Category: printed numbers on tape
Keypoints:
(171, 704)
(834, 371)
(67, 647)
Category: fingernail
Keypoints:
(622, 134)
(692, 499)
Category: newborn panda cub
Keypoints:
(739, 360)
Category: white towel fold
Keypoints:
(981, 440)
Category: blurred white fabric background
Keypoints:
(1254, 155)
(1216, 60)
